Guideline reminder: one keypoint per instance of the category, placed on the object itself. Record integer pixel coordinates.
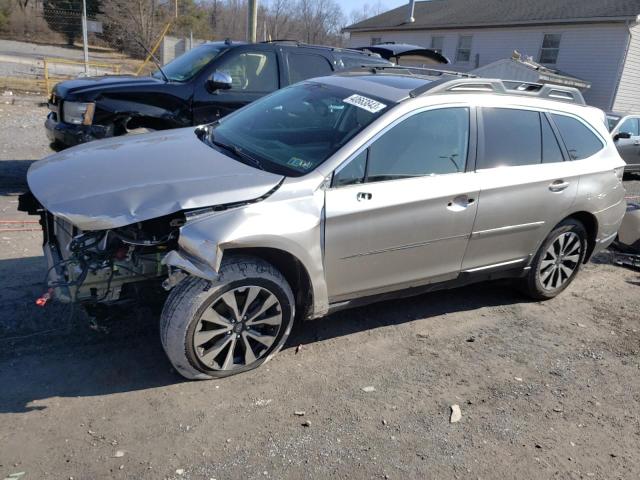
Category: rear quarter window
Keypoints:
(580, 141)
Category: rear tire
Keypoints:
(228, 326)
(557, 262)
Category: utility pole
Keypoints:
(252, 21)
(176, 9)
(84, 37)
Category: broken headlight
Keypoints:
(78, 113)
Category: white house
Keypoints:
(594, 40)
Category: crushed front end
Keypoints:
(104, 266)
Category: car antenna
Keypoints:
(155, 60)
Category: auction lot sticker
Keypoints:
(365, 103)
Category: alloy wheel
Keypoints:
(238, 329)
(560, 260)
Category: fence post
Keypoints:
(46, 77)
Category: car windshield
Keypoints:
(189, 64)
(295, 129)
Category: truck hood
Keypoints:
(89, 85)
(119, 181)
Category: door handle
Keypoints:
(460, 203)
(363, 196)
(558, 186)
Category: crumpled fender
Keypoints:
(293, 225)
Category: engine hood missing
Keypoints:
(124, 180)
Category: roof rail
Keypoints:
(504, 87)
(282, 40)
(408, 69)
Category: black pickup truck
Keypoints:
(200, 86)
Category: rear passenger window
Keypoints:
(428, 143)
(551, 151)
(303, 66)
(511, 138)
(579, 140)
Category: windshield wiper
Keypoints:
(155, 60)
(238, 152)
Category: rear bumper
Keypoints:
(69, 135)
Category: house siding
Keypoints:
(628, 95)
(592, 52)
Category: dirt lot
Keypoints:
(547, 390)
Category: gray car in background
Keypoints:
(331, 193)
(625, 130)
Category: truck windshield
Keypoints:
(186, 66)
(293, 130)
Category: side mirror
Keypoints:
(218, 81)
(621, 135)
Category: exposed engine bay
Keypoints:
(102, 266)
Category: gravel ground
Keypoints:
(546, 390)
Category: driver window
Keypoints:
(434, 142)
(630, 125)
(252, 71)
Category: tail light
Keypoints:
(619, 172)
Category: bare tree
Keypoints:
(368, 10)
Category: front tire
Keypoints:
(228, 326)
(557, 262)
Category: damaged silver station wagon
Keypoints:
(330, 193)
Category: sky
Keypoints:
(349, 5)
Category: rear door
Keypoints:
(527, 186)
(400, 212)
(629, 148)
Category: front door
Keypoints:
(253, 75)
(400, 212)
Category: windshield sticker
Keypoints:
(365, 103)
(299, 163)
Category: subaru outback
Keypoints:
(330, 193)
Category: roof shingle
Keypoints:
(433, 14)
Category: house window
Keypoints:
(437, 44)
(550, 48)
(463, 53)
(376, 40)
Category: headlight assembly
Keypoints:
(78, 113)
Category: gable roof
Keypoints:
(442, 14)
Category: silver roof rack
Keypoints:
(504, 87)
(408, 69)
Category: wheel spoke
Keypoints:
(249, 354)
(212, 352)
(546, 263)
(211, 316)
(272, 320)
(230, 301)
(228, 360)
(269, 302)
(202, 337)
(560, 241)
(558, 279)
(545, 276)
(252, 294)
(567, 271)
(572, 258)
(265, 339)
